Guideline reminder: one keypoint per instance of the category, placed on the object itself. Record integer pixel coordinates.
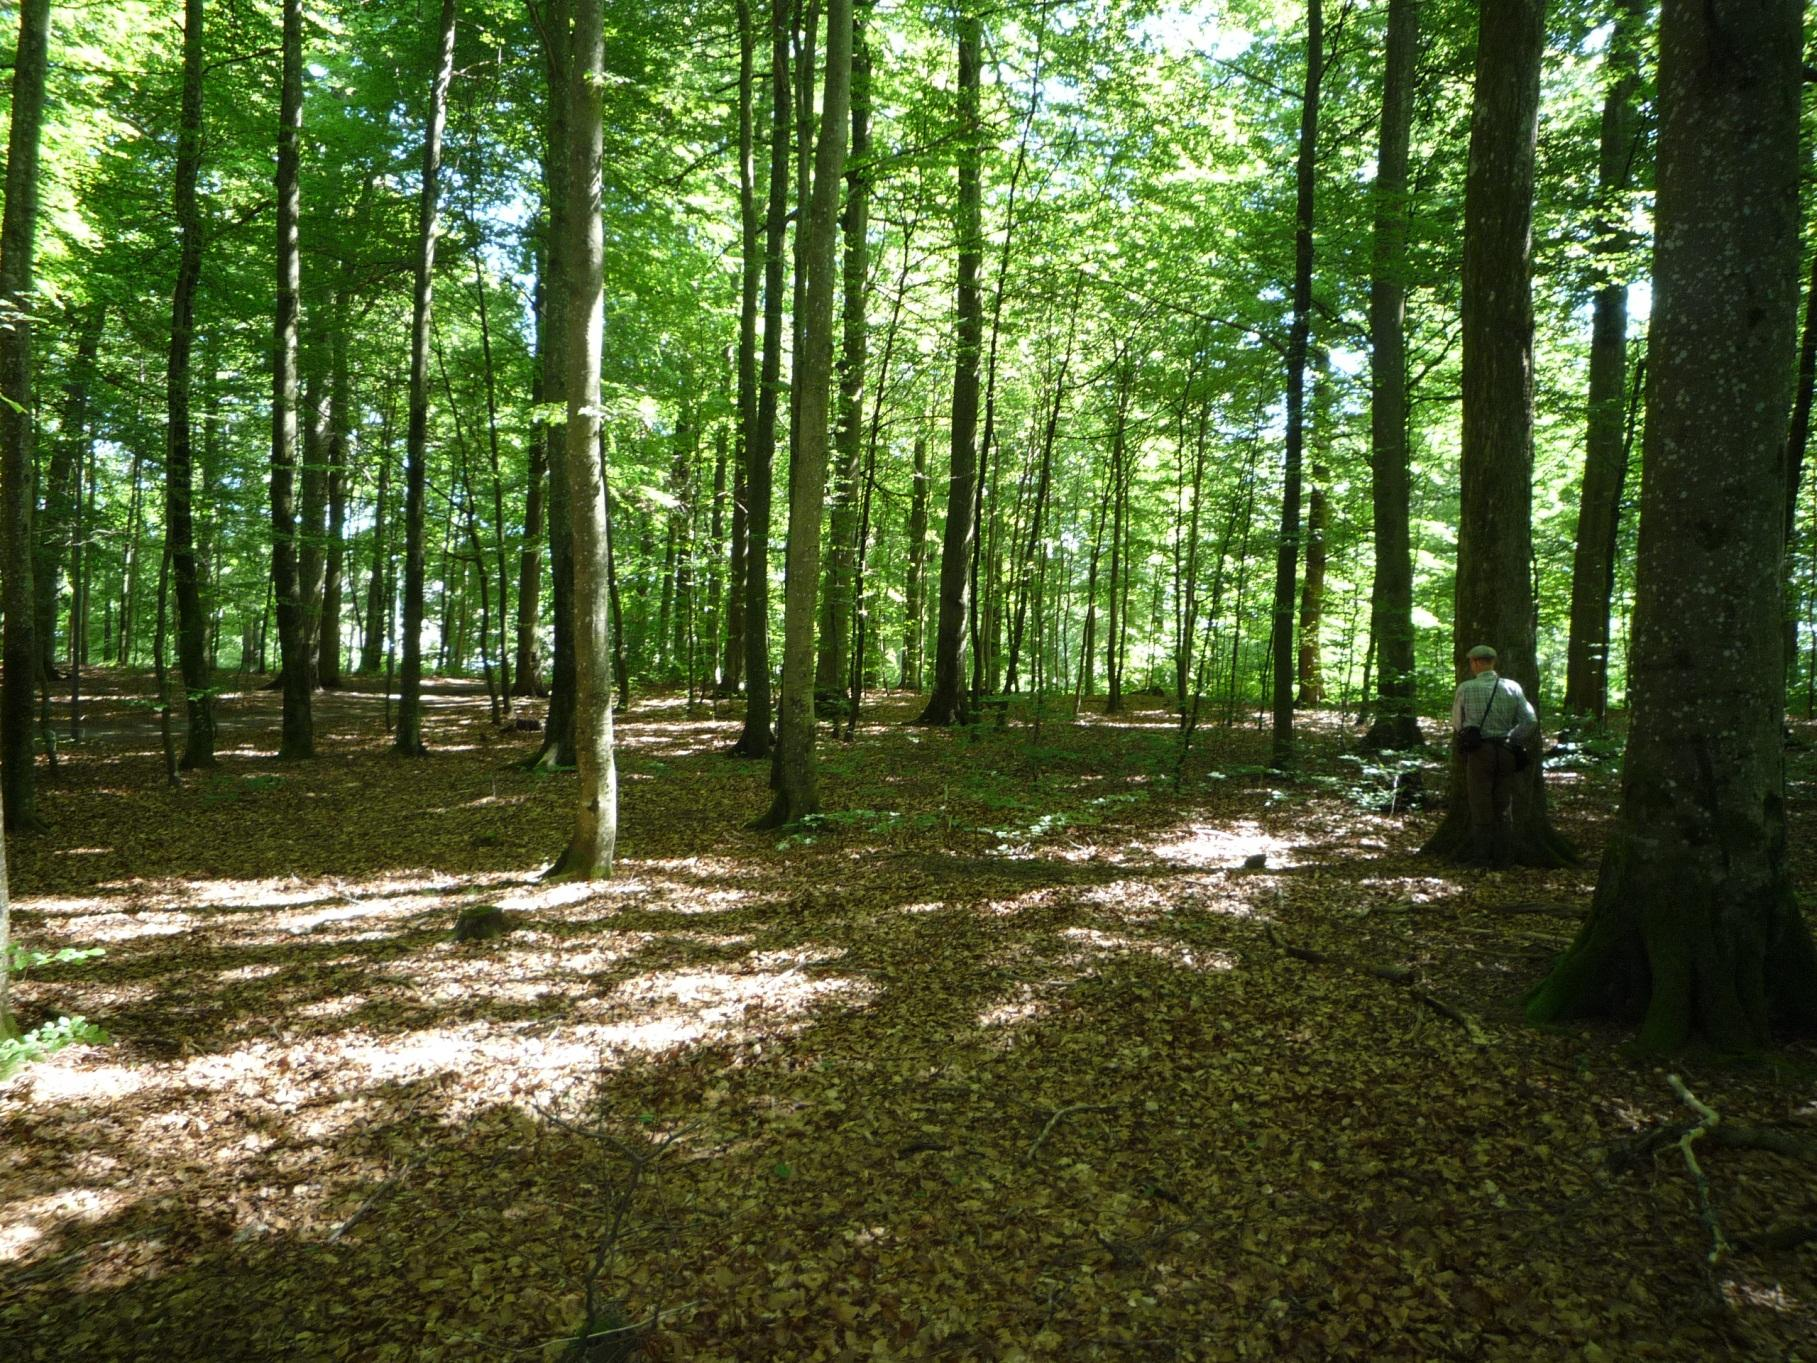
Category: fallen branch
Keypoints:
(1710, 1120)
(360, 1212)
(1066, 1111)
(1394, 974)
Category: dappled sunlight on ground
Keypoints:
(1006, 1057)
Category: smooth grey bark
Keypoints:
(945, 705)
(409, 739)
(913, 608)
(1396, 721)
(750, 226)
(57, 508)
(179, 520)
(1494, 587)
(18, 239)
(588, 855)
(797, 784)
(1694, 928)
(298, 735)
(1605, 443)
(334, 560)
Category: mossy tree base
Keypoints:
(1688, 947)
(1531, 841)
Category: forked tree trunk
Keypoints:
(298, 735)
(1494, 589)
(1396, 724)
(797, 788)
(1694, 928)
(416, 454)
(1605, 445)
(589, 851)
(192, 620)
(946, 703)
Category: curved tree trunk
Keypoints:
(589, 851)
(1396, 723)
(1494, 592)
(416, 452)
(1694, 927)
(179, 522)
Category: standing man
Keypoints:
(1492, 721)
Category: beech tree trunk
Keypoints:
(416, 451)
(797, 787)
(946, 703)
(56, 519)
(1605, 445)
(1396, 723)
(18, 235)
(1287, 551)
(334, 558)
(298, 734)
(1494, 590)
(1694, 928)
(756, 740)
(913, 608)
(589, 851)
(751, 269)
(179, 522)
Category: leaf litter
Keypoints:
(1024, 1051)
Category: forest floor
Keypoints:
(1004, 1059)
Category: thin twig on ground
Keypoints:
(1710, 1119)
(1066, 1111)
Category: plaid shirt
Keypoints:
(1509, 715)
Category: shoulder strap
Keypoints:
(1494, 691)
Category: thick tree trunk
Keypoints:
(18, 234)
(589, 851)
(298, 735)
(946, 703)
(756, 740)
(1396, 723)
(751, 268)
(312, 520)
(1494, 591)
(1694, 928)
(179, 522)
(797, 785)
(500, 557)
(1605, 446)
(1287, 551)
(374, 644)
(524, 679)
(416, 452)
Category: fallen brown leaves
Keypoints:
(995, 1062)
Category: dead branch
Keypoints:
(360, 1212)
(1394, 974)
(1710, 1119)
(1066, 1111)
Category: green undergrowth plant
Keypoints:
(49, 1037)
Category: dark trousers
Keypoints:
(1489, 783)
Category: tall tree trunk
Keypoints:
(558, 728)
(589, 851)
(340, 415)
(837, 612)
(312, 519)
(1605, 446)
(61, 486)
(179, 522)
(1044, 477)
(1396, 723)
(416, 453)
(1287, 552)
(945, 704)
(505, 690)
(1318, 522)
(298, 736)
(524, 681)
(797, 787)
(750, 284)
(1119, 555)
(913, 607)
(1495, 540)
(18, 233)
(374, 643)
(1694, 928)
(756, 739)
